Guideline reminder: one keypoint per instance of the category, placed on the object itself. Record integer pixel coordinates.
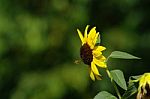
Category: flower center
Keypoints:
(86, 54)
(147, 87)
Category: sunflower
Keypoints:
(91, 53)
(144, 87)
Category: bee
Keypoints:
(77, 61)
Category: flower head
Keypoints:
(144, 87)
(90, 53)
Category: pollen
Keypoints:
(86, 54)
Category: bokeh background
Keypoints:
(39, 44)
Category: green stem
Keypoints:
(114, 84)
(107, 59)
(117, 91)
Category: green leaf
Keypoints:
(122, 55)
(118, 77)
(104, 95)
(98, 40)
(130, 91)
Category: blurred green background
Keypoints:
(39, 44)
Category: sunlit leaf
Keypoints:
(104, 95)
(122, 55)
(118, 77)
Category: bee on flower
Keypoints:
(144, 87)
(90, 53)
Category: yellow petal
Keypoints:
(94, 69)
(95, 38)
(92, 75)
(98, 77)
(101, 58)
(90, 43)
(97, 51)
(97, 54)
(91, 37)
(139, 95)
(143, 80)
(92, 33)
(99, 63)
(80, 35)
(99, 48)
(85, 32)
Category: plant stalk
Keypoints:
(114, 84)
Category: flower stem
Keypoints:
(114, 84)
(117, 91)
